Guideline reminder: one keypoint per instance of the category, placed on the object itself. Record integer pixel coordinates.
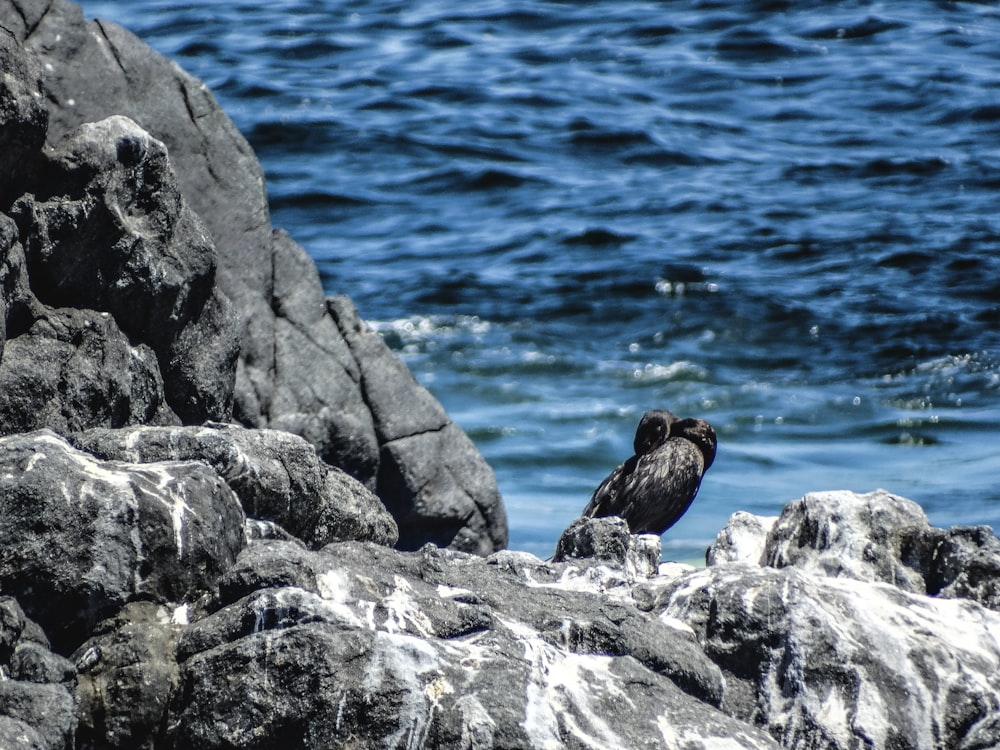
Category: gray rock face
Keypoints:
(23, 117)
(832, 642)
(111, 312)
(141, 286)
(292, 368)
(127, 674)
(80, 537)
(431, 477)
(276, 476)
(36, 691)
(608, 538)
(439, 649)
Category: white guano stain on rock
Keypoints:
(410, 665)
(561, 697)
(403, 613)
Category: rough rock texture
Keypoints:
(828, 640)
(430, 475)
(276, 476)
(439, 649)
(111, 235)
(608, 538)
(36, 685)
(127, 672)
(294, 371)
(80, 537)
(141, 287)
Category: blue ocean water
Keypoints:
(778, 216)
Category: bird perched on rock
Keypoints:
(656, 486)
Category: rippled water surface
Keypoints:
(778, 216)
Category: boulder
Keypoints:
(823, 627)
(608, 538)
(127, 675)
(81, 537)
(841, 663)
(431, 477)
(294, 371)
(276, 476)
(879, 536)
(370, 647)
(36, 686)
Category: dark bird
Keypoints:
(657, 485)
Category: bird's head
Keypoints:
(653, 430)
(699, 432)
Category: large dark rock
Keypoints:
(23, 117)
(127, 675)
(367, 647)
(81, 537)
(824, 633)
(431, 477)
(106, 230)
(294, 371)
(276, 476)
(36, 686)
(609, 539)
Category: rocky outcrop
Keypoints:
(438, 649)
(359, 645)
(152, 183)
(192, 555)
(36, 685)
(276, 476)
(81, 537)
(828, 639)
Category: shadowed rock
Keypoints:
(293, 369)
(80, 537)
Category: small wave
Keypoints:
(316, 199)
(753, 45)
(683, 371)
(418, 328)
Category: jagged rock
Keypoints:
(742, 539)
(23, 117)
(867, 537)
(841, 663)
(438, 649)
(882, 537)
(73, 369)
(36, 700)
(431, 477)
(964, 563)
(294, 370)
(820, 623)
(106, 229)
(609, 539)
(80, 537)
(127, 674)
(277, 476)
(288, 375)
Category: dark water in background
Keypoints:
(778, 216)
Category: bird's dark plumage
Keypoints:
(656, 486)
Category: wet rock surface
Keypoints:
(205, 463)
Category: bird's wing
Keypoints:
(662, 487)
(606, 500)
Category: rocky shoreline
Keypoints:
(230, 518)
